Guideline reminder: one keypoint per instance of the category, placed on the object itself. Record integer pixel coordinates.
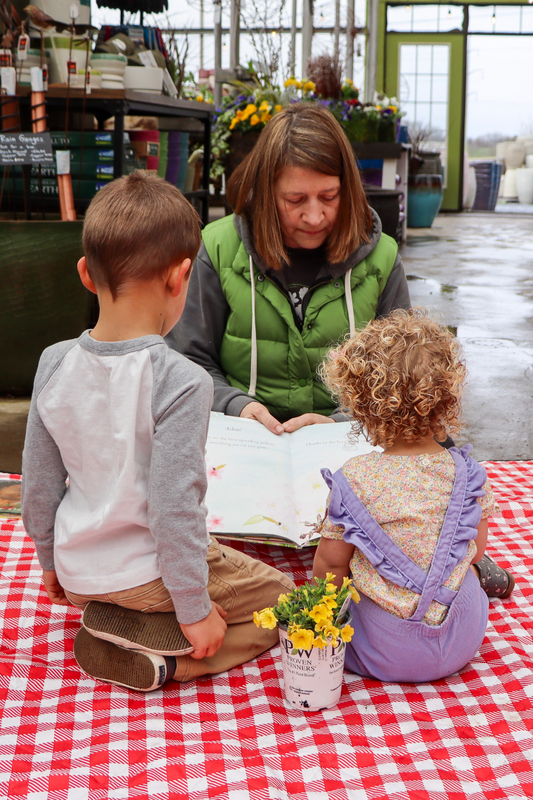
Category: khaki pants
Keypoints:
(240, 584)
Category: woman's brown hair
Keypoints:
(302, 135)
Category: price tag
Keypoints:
(45, 77)
(63, 162)
(88, 80)
(72, 71)
(74, 11)
(22, 47)
(9, 80)
(37, 84)
(6, 58)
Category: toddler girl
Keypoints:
(407, 522)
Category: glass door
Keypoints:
(425, 71)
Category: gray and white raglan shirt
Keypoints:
(126, 422)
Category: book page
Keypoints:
(249, 480)
(314, 448)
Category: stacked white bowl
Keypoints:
(33, 60)
(112, 66)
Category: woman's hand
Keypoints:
(261, 413)
(305, 419)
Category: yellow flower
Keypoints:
(321, 614)
(298, 84)
(309, 86)
(378, 108)
(283, 598)
(394, 109)
(331, 588)
(329, 577)
(355, 595)
(320, 642)
(290, 82)
(349, 82)
(265, 619)
(233, 122)
(200, 98)
(239, 113)
(346, 582)
(330, 632)
(254, 119)
(250, 109)
(277, 108)
(265, 117)
(264, 106)
(330, 601)
(301, 638)
(346, 633)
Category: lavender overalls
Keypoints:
(388, 647)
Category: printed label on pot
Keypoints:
(313, 678)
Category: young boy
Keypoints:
(125, 419)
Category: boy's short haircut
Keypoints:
(136, 228)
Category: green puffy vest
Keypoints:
(287, 358)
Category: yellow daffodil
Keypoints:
(277, 108)
(346, 633)
(301, 638)
(309, 86)
(291, 82)
(254, 119)
(320, 643)
(321, 614)
(265, 619)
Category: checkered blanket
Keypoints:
(65, 737)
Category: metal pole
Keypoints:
(371, 50)
(218, 50)
(350, 22)
(307, 34)
(234, 34)
(336, 31)
(292, 51)
(201, 35)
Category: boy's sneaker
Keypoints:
(132, 669)
(158, 633)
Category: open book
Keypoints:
(268, 488)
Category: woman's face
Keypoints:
(308, 204)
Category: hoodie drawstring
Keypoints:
(349, 300)
(253, 363)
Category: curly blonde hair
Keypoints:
(399, 376)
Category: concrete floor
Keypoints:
(476, 271)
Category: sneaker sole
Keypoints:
(157, 633)
(131, 669)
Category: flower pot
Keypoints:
(424, 198)
(515, 154)
(313, 678)
(241, 144)
(362, 128)
(524, 185)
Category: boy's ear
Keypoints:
(178, 276)
(84, 275)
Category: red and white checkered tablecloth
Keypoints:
(65, 737)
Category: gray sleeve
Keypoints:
(396, 292)
(43, 471)
(182, 399)
(198, 334)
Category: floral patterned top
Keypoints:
(408, 496)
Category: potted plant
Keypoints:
(314, 628)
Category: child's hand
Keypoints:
(207, 635)
(54, 590)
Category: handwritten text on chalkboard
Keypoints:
(25, 148)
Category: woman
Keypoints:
(301, 263)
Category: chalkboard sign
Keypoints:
(25, 148)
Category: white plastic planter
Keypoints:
(524, 185)
(515, 153)
(313, 678)
(509, 184)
